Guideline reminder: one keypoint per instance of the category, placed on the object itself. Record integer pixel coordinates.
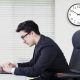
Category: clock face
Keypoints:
(74, 14)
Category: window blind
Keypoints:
(16, 11)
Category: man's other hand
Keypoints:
(12, 65)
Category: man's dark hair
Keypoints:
(28, 26)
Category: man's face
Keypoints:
(28, 38)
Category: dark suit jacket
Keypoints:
(47, 60)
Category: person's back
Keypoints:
(52, 57)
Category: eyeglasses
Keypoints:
(24, 36)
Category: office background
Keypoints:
(64, 30)
(13, 12)
(50, 15)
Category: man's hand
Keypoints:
(8, 66)
(12, 65)
(1, 69)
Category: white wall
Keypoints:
(63, 28)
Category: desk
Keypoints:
(13, 77)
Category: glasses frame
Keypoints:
(24, 36)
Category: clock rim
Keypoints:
(68, 16)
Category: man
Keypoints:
(47, 59)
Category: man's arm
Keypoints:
(26, 64)
(10, 67)
(47, 56)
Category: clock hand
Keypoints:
(74, 12)
(79, 14)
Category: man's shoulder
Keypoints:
(47, 39)
(45, 42)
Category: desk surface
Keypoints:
(11, 77)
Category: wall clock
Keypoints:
(73, 14)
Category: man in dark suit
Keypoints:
(47, 59)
